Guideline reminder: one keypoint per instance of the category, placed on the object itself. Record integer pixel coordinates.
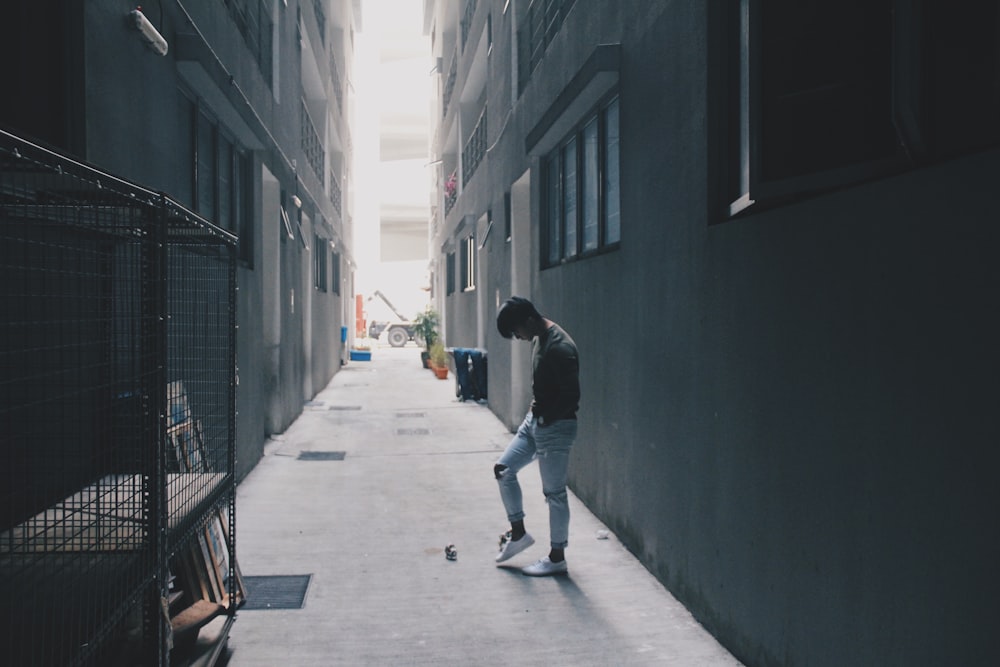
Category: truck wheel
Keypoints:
(398, 337)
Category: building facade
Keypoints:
(241, 113)
(768, 227)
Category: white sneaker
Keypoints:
(511, 548)
(545, 568)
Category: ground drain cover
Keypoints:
(413, 431)
(405, 415)
(281, 591)
(322, 456)
(344, 407)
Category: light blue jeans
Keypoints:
(551, 445)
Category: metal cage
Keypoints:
(117, 416)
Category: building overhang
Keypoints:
(201, 71)
(596, 77)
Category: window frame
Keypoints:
(450, 273)
(237, 213)
(754, 185)
(320, 260)
(468, 264)
(335, 272)
(564, 241)
(921, 46)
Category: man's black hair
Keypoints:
(514, 312)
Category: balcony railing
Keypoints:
(540, 25)
(312, 146)
(338, 92)
(335, 192)
(474, 150)
(449, 84)
(470, 11)
(320, 19)
(253, 19)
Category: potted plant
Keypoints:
(425, 325)
(439, 360)
(451, 190)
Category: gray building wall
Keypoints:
(104, 96)
(786, 415)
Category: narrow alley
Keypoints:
(371, 528)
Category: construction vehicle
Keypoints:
(398, 333)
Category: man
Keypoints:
(547, 432)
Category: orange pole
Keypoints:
(360, 326)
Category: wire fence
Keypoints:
(117, 357)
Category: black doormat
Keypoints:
(322, 456)
(279, 591)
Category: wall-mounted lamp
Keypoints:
(150, 35)
(296, 201)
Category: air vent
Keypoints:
(322, 456)
(279, 591)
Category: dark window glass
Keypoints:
(581, 192)
(206, 167)
(825, 85)
(569, 197)
(589, 187)
(227, 183)
(553, 198)
(612, 206)
(185, 152)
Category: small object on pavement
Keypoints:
(450, 553)
(602, 534)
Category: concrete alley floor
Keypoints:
(372, 528)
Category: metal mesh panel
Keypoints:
(88, 485)
(199, 374)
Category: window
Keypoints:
(205, 165)
(589, 187)
(218, 182)
(450, 274)
(469, 263)
(553, 190)
(243, 200)
(186, 151)
(568, 221)
(319, 263)
(489, 34)
(820, 95)
(335, 279)
(580, 187)
(612, 210)
(285, 231)
(227, 181)
(507, 214)
(253, 18)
